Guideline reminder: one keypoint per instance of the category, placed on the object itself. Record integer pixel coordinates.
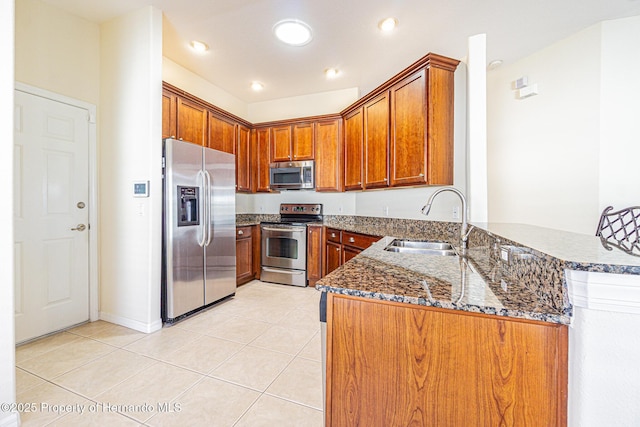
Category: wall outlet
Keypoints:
(261, 208)
(455, 212)
(340, 209)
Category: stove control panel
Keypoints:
(300, 209)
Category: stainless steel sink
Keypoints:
(420, 247)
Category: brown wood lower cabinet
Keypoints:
(314, 253)
(393, 364)
(341, 246)
(245, 270)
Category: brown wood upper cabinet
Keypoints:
(292, 142)
(222, 134)
(169, 116)
(191, 122)
(328, 155)
(354, 126)
(243, 173)
(376, 142)
(406, 128)
(262, 159)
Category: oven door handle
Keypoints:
(286, 230)
(291, 272)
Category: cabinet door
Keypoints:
(440, 126)
(507, 372)
(169, 115)
(281, 143)
(353, 133)
(333, 254)
(244, 255)
(192, 122)
(314, 254)
(243, 178)
(408, 149)
(328, 155)
(303, 141)
(263, 140)
(222, 134)
(349, 252)
(376, 142)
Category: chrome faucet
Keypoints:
(464, 229)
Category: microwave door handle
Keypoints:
(209, 207)
(202, 208)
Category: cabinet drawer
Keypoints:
(362, 241)
(333, 235)
(243, 232)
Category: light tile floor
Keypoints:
(253, 360)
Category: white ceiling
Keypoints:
(346, 36)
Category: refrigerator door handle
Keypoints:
(203, 210)
(209, 203)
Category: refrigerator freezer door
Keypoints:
(183, 228)
(220, 253)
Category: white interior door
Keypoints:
(51, 213)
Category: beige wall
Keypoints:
(57, 51)
(543, 150)
(131, 118)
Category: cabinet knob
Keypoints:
(359, 182)
(333, 234)
(351, 239)
(421, 174)
(337, 249)
(240, 232)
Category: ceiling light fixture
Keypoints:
(388, 24)
(198, 46)
(331, 73)
(293, 32)
(257, 86)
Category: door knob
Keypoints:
(80, 205)
(79, 227)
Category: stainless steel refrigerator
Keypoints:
(198, 245)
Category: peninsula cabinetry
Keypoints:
(392, 364)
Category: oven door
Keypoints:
(284, 246)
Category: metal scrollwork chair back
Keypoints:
(620, 229)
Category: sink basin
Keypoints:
(420, 247)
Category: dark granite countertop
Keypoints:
(474, 283)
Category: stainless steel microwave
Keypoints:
(292, 175)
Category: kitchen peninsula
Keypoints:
(478, 339)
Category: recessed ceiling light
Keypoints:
(331, 73)
(257, 86)
(388, 24)
(494, 64)
(198, 46)
(292, 32)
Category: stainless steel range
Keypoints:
(284, 244)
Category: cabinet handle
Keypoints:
(351, 239)
(240, 232)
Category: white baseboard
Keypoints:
(147, 328)
(11, 419)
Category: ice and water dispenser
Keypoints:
(188, 200)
